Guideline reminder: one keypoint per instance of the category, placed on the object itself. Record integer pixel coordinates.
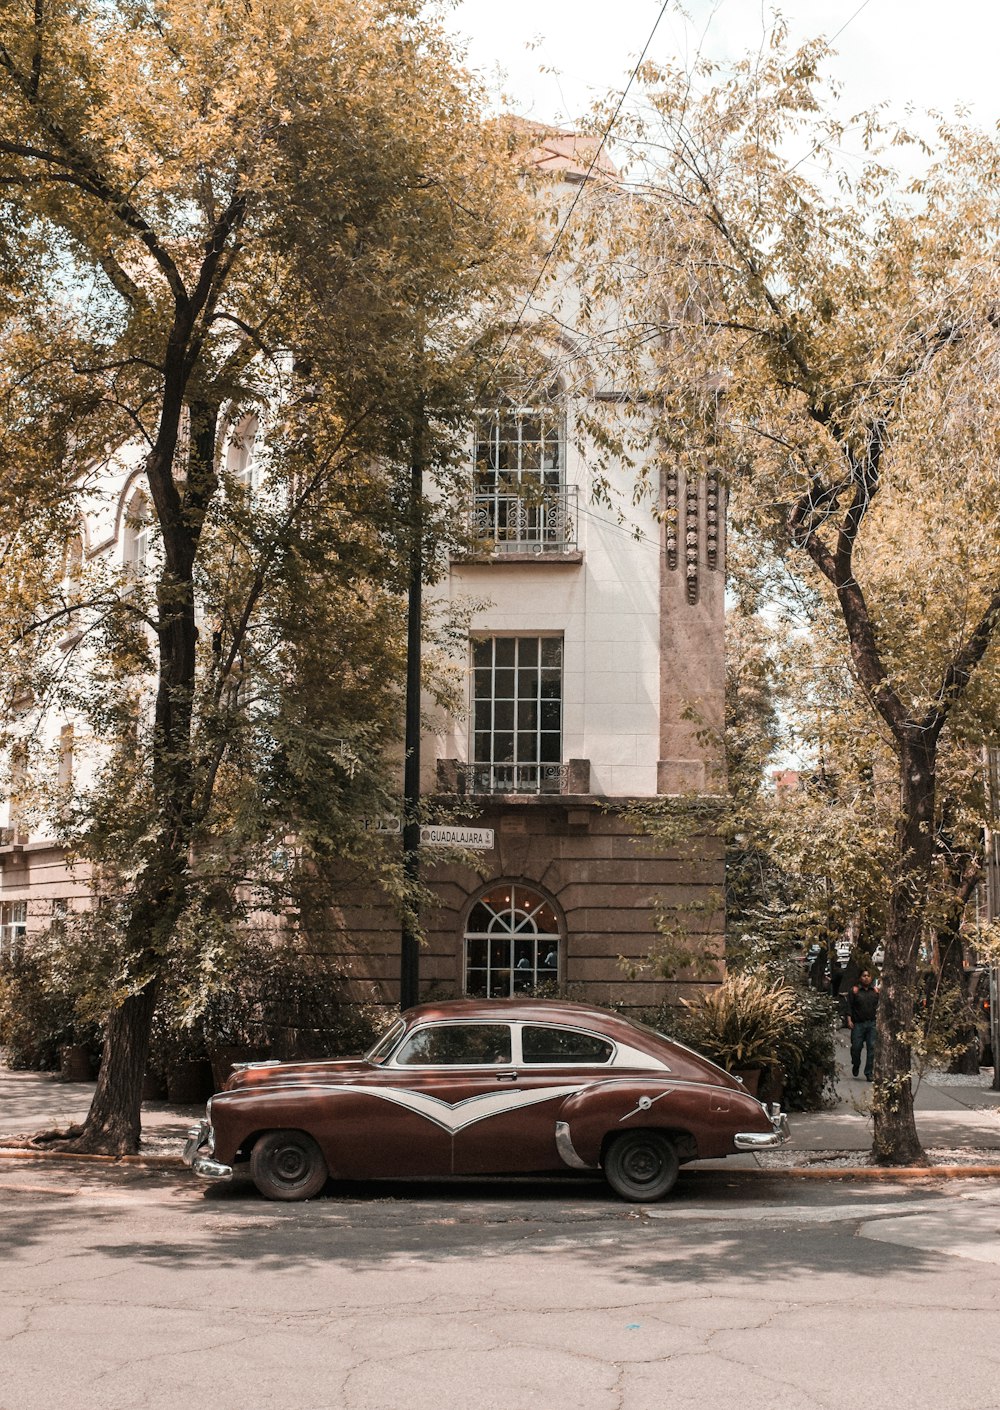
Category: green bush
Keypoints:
(749, 1021)
(38, 1013)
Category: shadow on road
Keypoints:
(387, 1225)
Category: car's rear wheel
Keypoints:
(641, 1166)
(288, 1165)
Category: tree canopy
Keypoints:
(825, 333)
(217, 212)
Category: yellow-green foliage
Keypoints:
(744, 1022)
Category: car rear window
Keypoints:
(539, 1045)
(457, 1044)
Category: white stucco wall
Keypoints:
(606, 607)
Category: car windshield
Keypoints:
(386, 1043)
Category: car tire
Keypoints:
(288, 1165)
(641, 1166)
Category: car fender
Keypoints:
(707, 1114)
(238, 1114)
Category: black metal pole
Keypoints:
(409, 958)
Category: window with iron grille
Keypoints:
(520, 490)
(517, 715)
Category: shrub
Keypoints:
(749, 1021)
(39, 1014)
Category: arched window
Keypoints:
(138, 526)
(512, 942)
(240, 459)
(520, 475)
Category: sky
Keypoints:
(921, 52)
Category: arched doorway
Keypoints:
(512, 942)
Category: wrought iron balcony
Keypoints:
(534, 521)
(516, 778)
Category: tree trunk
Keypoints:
(896, 1140)
(113, 1123)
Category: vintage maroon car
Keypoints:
(496, 1087)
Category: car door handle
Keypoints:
(507, 1076)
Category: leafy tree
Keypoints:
(212, 209)
(827, 334)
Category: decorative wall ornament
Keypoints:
(691, 540)
(712, 519)
(670, 517)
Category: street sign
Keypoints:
(477, 839)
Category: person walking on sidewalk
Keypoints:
(862, 1006)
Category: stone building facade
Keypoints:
(593, 684)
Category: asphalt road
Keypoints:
(130, 1289)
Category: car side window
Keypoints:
(563, 1045)
(457, 1044)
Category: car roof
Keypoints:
(522, 1010)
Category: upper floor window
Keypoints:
(517, 715)
(521, 498)
(240, 459)
(138, 529)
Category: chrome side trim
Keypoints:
(567, 1150)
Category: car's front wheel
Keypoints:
(288, 1165)
(641, 1166)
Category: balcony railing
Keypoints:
(536, 520)
(516, 778)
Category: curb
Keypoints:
(792, 1172)
(140, 1162)
(862, 1172)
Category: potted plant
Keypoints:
(747, 1025)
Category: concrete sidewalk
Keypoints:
(954, 1115)
(36, 1101)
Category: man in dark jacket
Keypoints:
(862, 1006)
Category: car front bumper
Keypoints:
(199, 1149)
(764, 1140)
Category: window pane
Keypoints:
(479, 922)
(475, 984)
(476, 953)
(563, 1045)
(527, 684)
(484, 714)
(504, 684)
(549, 749)
(454, 1044)
(483, 653)
(527, 651)
(504, 648)
(551, 651)
(527, 748)
(527, 714)
(503, 715)
(551, 714)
